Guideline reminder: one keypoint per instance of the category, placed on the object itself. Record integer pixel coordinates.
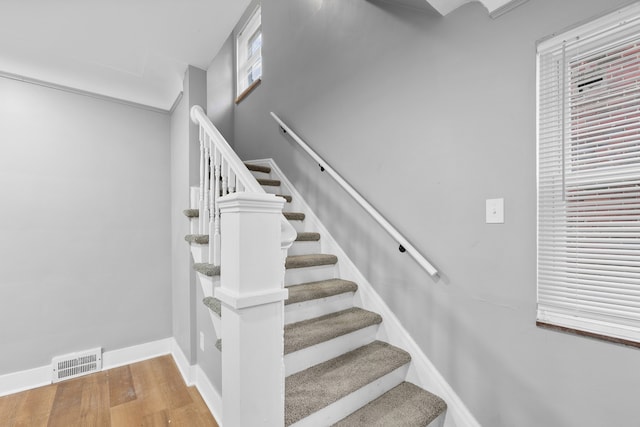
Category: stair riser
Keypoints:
(350, 403)
(318, 307)
(208, 283)
(310, 356)
(200, 253)
(217, 322)
(300, 225)
(304, 248)
(293, 276)
(193, 225)
(271, 189)
(260, 175)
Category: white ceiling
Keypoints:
(136, 50)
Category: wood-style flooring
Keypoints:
(149, 393)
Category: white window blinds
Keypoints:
(589, 178)
(249, 52)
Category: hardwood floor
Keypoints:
(149, 393)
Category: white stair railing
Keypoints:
(405, 246)
(249, 238)
(221, 173)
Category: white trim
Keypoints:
(506, 8)
(421, 372)
(250, 299)
(186, 369)
(29, 80)
(209, 394)
(24, 380)
(175, 105)
(31, 378)
(194, 375)
(135, 353)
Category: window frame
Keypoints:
(244, 61)
(613, 26)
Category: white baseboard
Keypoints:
(37, 377)
(193, 375)
(186, 369)
(136, 353)
(24, 380)
(209, 394)
(422, 372)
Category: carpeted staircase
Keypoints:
(337, 372)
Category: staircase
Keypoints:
(337, 372)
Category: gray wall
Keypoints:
(84, 225)
(221, 90)
(427, 117)
(185, 155)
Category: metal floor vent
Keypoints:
(76, 364)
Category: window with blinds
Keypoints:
(249, 54)
(589, 178)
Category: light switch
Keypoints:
(495, 211)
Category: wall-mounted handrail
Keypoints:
(222, 172)
(402, 241)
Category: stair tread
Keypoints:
(258, 168)
(308, 391)
(285, 197)
(294, 216)
(314, 331)
(207, 269)
(307, 236)
(301, 292)
(405, 405)
(201, 239)
(320, 289)
(269, 182)
(214, 305)
(313, 260)
(191, 213)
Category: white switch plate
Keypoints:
(202, 341)
(495, 211)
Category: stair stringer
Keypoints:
(421, 372)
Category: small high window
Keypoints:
(249, 55)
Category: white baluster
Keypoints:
(214, 236)
(202, 189)
(232, 181)
(225, 178)
(207, 184)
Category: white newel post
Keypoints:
(252, 294)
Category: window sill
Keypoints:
(248, 90)
(587, 334)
